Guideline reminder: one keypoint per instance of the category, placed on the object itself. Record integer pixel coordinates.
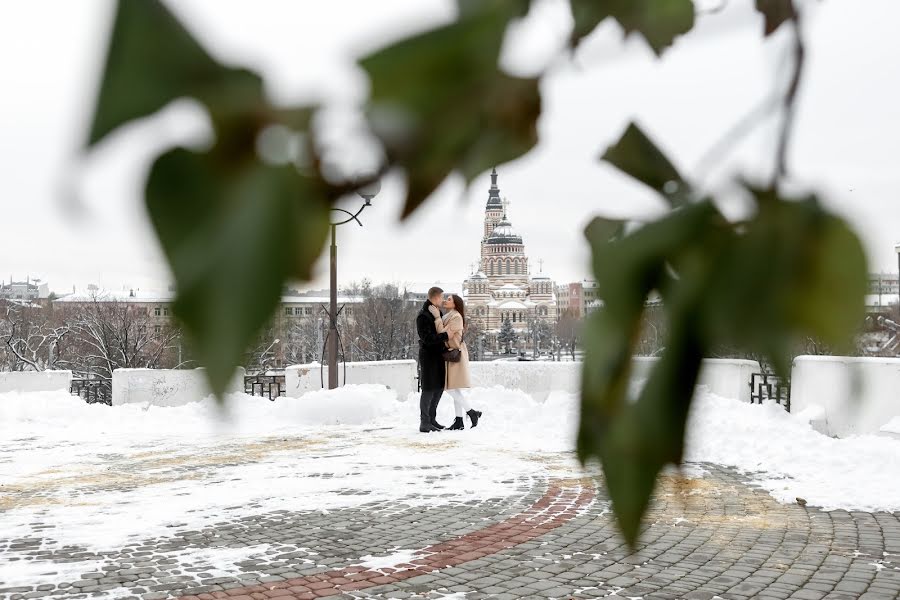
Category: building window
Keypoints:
(307, 310)
(298, 311)
(165, 311)
(157, 311)
(288, 311)
(157, 328)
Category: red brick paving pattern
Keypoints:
(556, 507)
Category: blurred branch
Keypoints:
(790, 98)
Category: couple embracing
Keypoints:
(443, 360)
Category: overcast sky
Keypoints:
(74, 222)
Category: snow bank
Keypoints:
(34, 381)
(782, 453)
(858, 395)
(892, 426)
(60, 414)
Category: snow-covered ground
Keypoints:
(107, 475)
(113, 474)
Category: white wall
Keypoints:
(537, 378)
(165, 387)
(857, 395)
(398, 375)
(35, 381)
(726, 377)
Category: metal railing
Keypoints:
(266, 386)
(764, 386)
(92, 391)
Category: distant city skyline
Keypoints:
(72, 221)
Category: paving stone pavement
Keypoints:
(706, 537)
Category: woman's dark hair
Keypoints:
(460, 307)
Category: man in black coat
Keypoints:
(432, 370)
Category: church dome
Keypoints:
(504, 233)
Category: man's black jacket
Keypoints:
(432, 370)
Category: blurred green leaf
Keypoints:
(794, 271)
(648, 433)
(659, 21)
(634, 440)
(439, 102)
(775, 13)
(636, 155)
(152, 60)
(233, 231)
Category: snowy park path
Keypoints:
(346, 499)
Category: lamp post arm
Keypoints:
(352, 216)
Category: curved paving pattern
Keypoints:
(705, 538)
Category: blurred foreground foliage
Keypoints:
(236, 228)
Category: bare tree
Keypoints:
(112, 334)
(32, 340)
(303, 340)
(475, 339)
(264, 354)
(383, 324)
(652, 333)
(539, 334)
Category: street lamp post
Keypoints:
(262, 357)
(367, 193)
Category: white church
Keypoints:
(503, 289)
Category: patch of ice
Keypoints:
(892, 426)
(391, 561)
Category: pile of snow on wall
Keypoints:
(847, 395)
(165, 387)
(397, 375)
(35, 381)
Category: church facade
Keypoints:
(503, 288)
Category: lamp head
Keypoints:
(369, 191)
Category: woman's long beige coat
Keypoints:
(458, 372)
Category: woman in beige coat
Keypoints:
(454, 323)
